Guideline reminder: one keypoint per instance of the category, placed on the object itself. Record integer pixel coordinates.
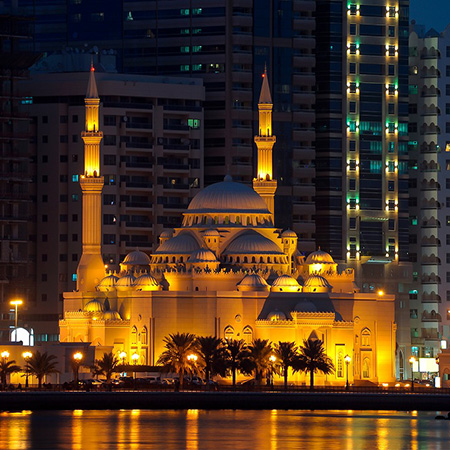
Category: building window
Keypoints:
(74, 197)
(109, 239)
(391, 31)
(365, 338)
(248, 335)
(391, 224)
(352, 29)
(366, 368)
(63, 238)
(75, 178)
(339, 361)
(391, 108)
(391, 186)
(352, 184)
(134, 336)
(352, 68)
(352, 223)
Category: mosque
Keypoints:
(227, 272)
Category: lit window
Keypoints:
(75, 178)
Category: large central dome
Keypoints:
(228, 197)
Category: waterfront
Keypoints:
(223, 429)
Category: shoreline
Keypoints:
(48, 401)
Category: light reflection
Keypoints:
(273, 429)
(192, 429)
(382, 430)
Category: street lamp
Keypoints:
(412, 360)
(192, 357)
(122, 356)
(15, 303)
(5, 354)
(347, 359)
(135, 358)
(26, 356)
(78, 356)
(272, 360)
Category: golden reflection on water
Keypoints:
(222, 430)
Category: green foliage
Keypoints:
(259, 354)
(40, 365)
(7, 368)
(237, 358)
(106, 366)
(287, 356)
(211, 353)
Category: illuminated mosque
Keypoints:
(226, 272)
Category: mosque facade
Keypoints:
(226, 272)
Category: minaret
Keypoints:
(264, 184)
(91, 267)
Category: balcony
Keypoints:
(431, 279)
(432, 316)
(431, 334)
(432, 241)
(431, 260)
(432, 297)
(431, 223)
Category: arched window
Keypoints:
(216, 220)
(245, 259)
(173, 259)
(227, 220)
(268, 259)
(261, 259)
(229, 332)
(253, 259)
(248, 334)
(366, 368)
(134, 336)
(181, 259)
(365, 338)
(238, 219)
(144, 336)
(238, 259)
(401, 365)
(340, 364)
(231, 259)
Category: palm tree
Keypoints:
(40, 365)
(210, 350)
(106, 366)
(177, 356)
(286, 353)
(236, 356)
(7, 368)
(259, 353)
(313, 359)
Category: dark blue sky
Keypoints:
(431, 13)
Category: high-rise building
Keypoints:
(151, 166)
(362, 144)
(227, 43)
(17, 209)
(429, 94)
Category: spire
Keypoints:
(265, 96)
(92, 85)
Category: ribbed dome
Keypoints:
(166, 234)
(289, 234)
(107, 283)
(137, 258)
(125, 282)
(228, 197)
(146, 282)
(252, 282)
(305, 306)
(285, 283)
(111, 315)
(179, 245)
(252, 243)
(211, 233)
(202, 255)
(276, 315)
(316, 281)
(319, 257)
(94, 306)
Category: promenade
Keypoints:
(101, 400)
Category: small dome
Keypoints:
(252, 282)
(111, 315)
(316, 283)
(211, 233)
(107, 283)
(166, 234)
(202, 255)
(305, 306)
(125, 282)
(136, 258)
(146, 282)
(252, 243)
(319, 257)
(286, 283)
(276, 315)
(289, 234)
(228, 197)
(182, 244)
(94, 306)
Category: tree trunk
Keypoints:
(311, 377)
(181, 375)
(234, 376)
(40, 382)
(286, 368)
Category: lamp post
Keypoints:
(272, 360)
(135, 358)
(347, 359)
(122, 356)
(26, 356)
(15, 303)
(412, 360)
(5, 354)
(78, 356)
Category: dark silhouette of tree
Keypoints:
(259, 354)
(40, 365)
(287, 355)
(179, 347)
(313, 359)
(106, 366)
(236, 357)
(7, 368)
(211, 356)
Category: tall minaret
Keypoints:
(264, 184)
(91, 267)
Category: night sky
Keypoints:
(431, 13)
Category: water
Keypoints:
(217, 430)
